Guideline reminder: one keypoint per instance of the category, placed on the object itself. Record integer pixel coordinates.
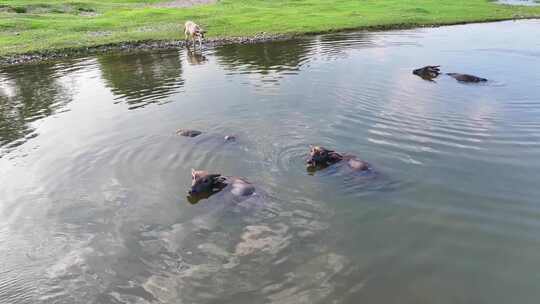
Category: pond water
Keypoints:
(93, 179)
(519, 2)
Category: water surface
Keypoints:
(93, 178)
(519, 2)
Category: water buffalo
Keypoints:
(320, 158)
(466, 78)
(188, 132)
(429, 72)
(229, 138)
(205, 184)
(195, 133)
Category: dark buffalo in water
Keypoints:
(195, 133)
(429, 72)
(230, 138)
(320, 158)
(188, 132)
(205, 184)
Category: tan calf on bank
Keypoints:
(192, 30)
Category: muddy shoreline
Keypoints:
(209, 43)
(132, 47)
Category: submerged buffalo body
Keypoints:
(320, 158)
(195, 133)
(466, 77)
(188, 132)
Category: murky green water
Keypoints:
(93, 178)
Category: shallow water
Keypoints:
(519, 2)
(93, 198)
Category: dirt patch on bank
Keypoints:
(183, 3)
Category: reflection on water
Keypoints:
(195, 58)
(28, 94)
(280, 56)
(518, 2)
(339, 44)
(142, 78)
(96, 210)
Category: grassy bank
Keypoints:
(44, 25)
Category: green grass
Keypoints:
(42, 25)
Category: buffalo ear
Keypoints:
(194, 173)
